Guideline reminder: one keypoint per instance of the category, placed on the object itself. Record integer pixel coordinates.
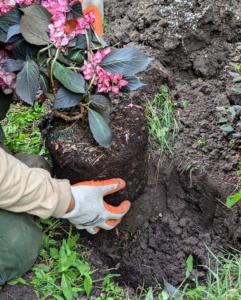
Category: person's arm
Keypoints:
(31, 190)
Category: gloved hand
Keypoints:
(91, 212)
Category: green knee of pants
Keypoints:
(20, 243)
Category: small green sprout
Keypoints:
(202, 143)
(184, 103)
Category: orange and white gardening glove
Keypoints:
(97, 7)
(91, 212)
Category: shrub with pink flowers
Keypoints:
(49, 48)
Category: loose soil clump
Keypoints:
(181, 210)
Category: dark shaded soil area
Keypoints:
(182, 208)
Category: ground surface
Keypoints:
(181, 211)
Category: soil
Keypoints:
(182, 209)
(77, 156)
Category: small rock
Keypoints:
(145, 226)
(143, 245)
(183, 222)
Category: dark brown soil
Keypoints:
(77, 157)
(182, 208)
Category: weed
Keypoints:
(233, 199)
(236, 75)
(202, 143)
(161, 118)
(21, 129)
(129, 231)
(184, 103)
(62, 270)
(228, 119)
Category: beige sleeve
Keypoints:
(31, 190)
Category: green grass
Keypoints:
(21, 129)
(223, 279)
(163, 125)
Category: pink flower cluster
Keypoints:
(83, 23)
(7, 80)
(59, 9)
(105, 81)
(7, 5)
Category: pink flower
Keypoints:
(105, 81)
(82, 24)
(7, 5)
(7, 79)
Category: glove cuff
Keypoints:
(76, 211)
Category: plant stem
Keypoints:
(51, 71)
(76, 68)
(42, 50)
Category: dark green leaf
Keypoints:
(71, 43)
(77, 10)
(5, 101)
(100, 129)
(227, 128)
(2, 135)
(57, 297)
(87, 284)
(231, 109)
(71, 80)
(189, 265)
(82, 266)
(80, 40)
(223, 120)
(15, 38)
(11, 18)
(76, 56)
(236, 76)
(33, 32)
(65, 98)
(66, 287)
(64, 59)
(54, 253)
(40, 15)
(13, 30)
(126, 61)
(102, 105)
(72, 241)
(27, 82)
(221, 108)
(107, 278)
(66, 257)
(3, 35)
(134, 84)
(44, 82)
(231, 200)
(99, 103)
(12, 65)
(238, 90)
(23, 50)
